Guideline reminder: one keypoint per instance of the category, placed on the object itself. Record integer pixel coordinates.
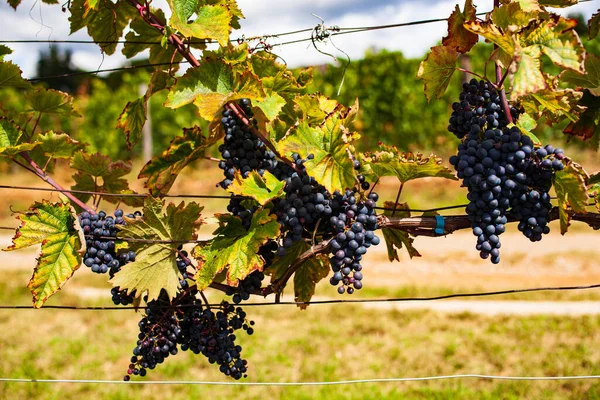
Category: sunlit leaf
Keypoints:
(13, 139)
(571, 192)
(261, 188)
(162, 171)
(211, 21)
(155, 266)
(437, 69)
(389, 161)
(235, 248)
(59, 145)
(53, 226)
(11, 76)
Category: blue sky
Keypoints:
(263, 17)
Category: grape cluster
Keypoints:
(187, 324)
(183, 263)
(501, 168)
(213, 334)
(253, 282)
(241, 150)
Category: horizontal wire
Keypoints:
(316, 383)
(322, 302)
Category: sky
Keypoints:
(35, 20)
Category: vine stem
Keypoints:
(397, 198)
(49, 180)
(500, 81)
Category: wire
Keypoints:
(321, 302)
(104, 70)
(317, 383)
(189, 196)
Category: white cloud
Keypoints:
(262, 17)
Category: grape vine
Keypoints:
(303, 206)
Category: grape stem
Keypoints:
(48, 179)
(397, 198)
(500, 81)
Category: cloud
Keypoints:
(263, 17)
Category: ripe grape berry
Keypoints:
(501, 168)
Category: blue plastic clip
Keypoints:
(439, 227)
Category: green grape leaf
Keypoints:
(11, 76)
(4, 50)
(458, 37)
(588, 125)
(53, 226)
(311, 272)
(59, 145)
(261, 188)
(437, 69)
(155, 266)
(389, 161)
(526, 124)
(150, 38)
(211, 86)
(528, 77)
(314, 108)
(235, 248)
(557, 39)
(98, 173)
(593, 184)
(330, 144)
(571, 191)
(271, 106)
(594, 26)
(89, 5)
(12, 139)
(505, 41)
(162, 171)
(211, 22)
(395, 238)
(50, 101)
(590, 80)
(106, 24)
(526, 5)
(554, 105)
(132, 121)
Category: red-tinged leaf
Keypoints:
(458, 37)
(588, 125)
(437, 69)
(53, 226)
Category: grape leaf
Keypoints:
(4, 50)
(513, 16)
(458, 37)
(162, 171)
(106, 24)
(437, 69)
(314, 108)
(505, 41)
(526, 5)
(558, 3)
(528, 77)
(526, 124)
(571, 191)
(330, 144)
(593, 184)
(395, 238)
(211, 22)
(590, 80)
(50, 101)
(12, 139)
(59, 145)
(11, 76)
(98, 173)
(553, 104)
(261, 188)
(588, 125)
(142, 36)
(211, 86)
(14, 3)
(53, 226)
(594, 26)
(389, 161)
(155, 267)
(311, 272)
(235, 248)
(132, 120)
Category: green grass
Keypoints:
(320, 344)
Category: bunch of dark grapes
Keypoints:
(183, 264)
(501, 169)
(204, 331)
(187, 324)
(253, 282)
(241, 150)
